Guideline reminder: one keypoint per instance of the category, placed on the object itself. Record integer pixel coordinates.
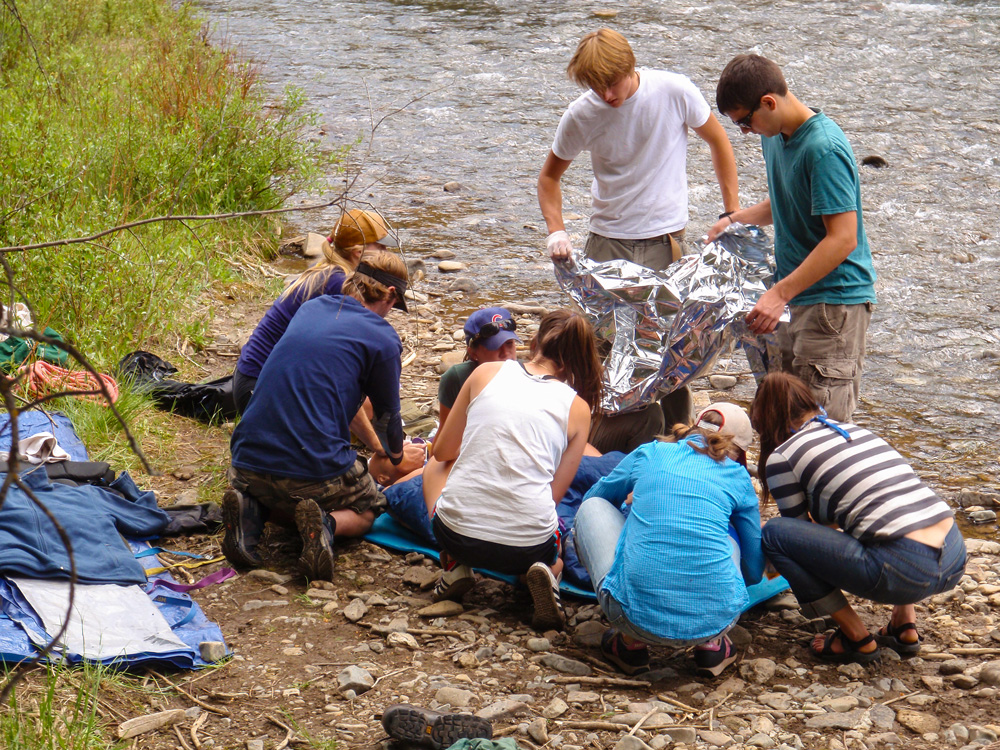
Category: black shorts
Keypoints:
(502, 558)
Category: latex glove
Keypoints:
(559, 246)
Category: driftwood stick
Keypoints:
(151, 722)
(606, 681)
(756, 711)
(608, 726)
(975, 651)
(186, 694)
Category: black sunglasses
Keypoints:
(492, 329)
(744, 122)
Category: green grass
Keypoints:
(58, 711)
(119, 110)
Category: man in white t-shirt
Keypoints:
(635, 124)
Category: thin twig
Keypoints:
(202, 718)
(641, 721)
(180, 738)
(288, 736)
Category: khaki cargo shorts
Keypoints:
(656, 252)
(824, 345)
(354, 490)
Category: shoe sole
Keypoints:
(623, 666)
(548, 614)
(231, 548)
(718, 669)
(317, 558)
(900, 647)
(437, 730)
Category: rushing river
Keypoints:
(482, 85)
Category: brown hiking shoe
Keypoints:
(316, 561)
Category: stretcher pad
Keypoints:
(386, 532)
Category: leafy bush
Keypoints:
(119, 110)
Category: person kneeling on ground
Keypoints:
(489, 337)
(356, 232)
(504, 460)
(864, 524)
(291, 452)
(671, 573)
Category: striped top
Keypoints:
(862, 485)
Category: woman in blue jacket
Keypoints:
(670, 573)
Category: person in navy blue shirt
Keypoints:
(291, 453)
(356, 232)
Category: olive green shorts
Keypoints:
(824, 345)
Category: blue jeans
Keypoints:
(596, 529)
(819, 562)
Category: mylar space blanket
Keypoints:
(663, 329)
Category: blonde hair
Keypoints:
(364, 288)
(602, 58)
(718, 445)
(313, 280)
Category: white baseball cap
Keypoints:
(735, 422)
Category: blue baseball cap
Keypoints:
(491, 327)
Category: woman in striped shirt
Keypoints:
(854, 517)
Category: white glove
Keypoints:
(559, 246)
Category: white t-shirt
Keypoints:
(500, 488)
(639, 154)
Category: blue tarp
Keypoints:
(186, 618)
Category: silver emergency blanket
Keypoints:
(666, 328)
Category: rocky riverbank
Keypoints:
(321, 663)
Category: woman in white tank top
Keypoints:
(505, 458)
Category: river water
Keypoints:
(913, 82)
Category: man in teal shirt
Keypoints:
(824, 265)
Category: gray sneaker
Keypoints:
(421, 726)
(544, 589)
(317, 557)
(243, 519)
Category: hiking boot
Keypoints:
(411, 724)
(544, 589)
(713, 657)
(243, 519)
(315, 528)
(631, 661)
(454, 583)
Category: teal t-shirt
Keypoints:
(810, 175)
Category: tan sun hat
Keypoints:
(735, 422)
(357, 227)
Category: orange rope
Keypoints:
(43, 377)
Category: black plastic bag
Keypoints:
(210, 402)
